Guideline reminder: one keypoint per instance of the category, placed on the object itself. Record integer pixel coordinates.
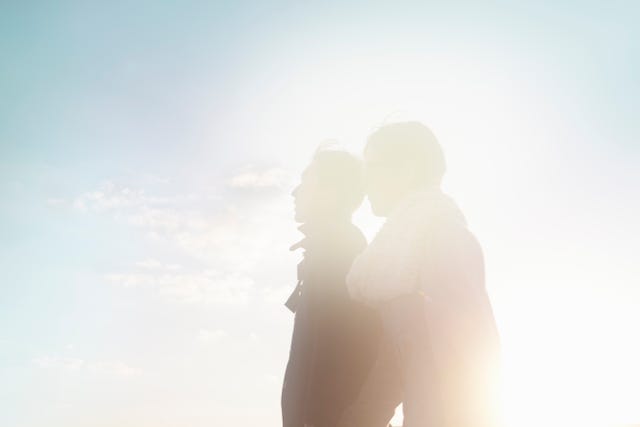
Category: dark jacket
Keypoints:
(334, 342)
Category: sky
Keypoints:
(147, 153)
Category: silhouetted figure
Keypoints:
(424, 273)
(334, 338)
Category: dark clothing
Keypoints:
(334, 342)
(403, 372)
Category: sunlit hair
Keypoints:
(410, 145)
(341, 172)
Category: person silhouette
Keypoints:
(333, 345)
(424, 274)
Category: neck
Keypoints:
(328, 221)
(405, 197)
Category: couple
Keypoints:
(405, 319)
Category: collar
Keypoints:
(316, 231)
(416, 196)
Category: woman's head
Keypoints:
(331, 187)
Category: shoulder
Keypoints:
(453, 236)
(453, 251)
(344, 239)
(338, 245)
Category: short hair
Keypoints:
(410, 144)
(343, 173)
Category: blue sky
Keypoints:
(146, 154)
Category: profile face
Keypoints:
(330, 188)
(305, 195)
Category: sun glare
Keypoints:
(552, 376)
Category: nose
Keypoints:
(295, 191)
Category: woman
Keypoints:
(334, 340)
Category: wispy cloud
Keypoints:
(77, 365)
(154, 264)
(226, 236)
(204, 286)
(252, 178)
(217, 249)
(113, 197)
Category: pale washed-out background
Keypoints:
(148, 149)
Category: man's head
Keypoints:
(330, 188)
(400, 158)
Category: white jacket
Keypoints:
(399, 259)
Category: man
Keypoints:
(424, 274)
(334, 338)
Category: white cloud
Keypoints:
(206, 288)
(77, 365)
(221, 248)
(154, 264)
(228, 238)
(118, 369)
(109, 196)
(149, 263)
(65, 363)
(252, 179)
(201, 287)
(128, 280)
